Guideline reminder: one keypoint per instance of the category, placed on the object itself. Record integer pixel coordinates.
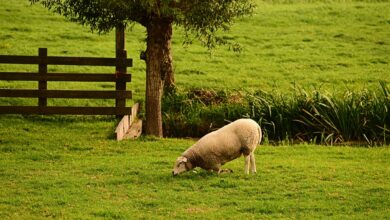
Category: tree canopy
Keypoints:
(199, 18)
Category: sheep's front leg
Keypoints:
(216, 168)
(247, 163)
(253, 162)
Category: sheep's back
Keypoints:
(218, 147)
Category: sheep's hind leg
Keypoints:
(247, 163)
(253, 162)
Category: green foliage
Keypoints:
(356, 116)
(101, 16)
(361, 117)
(205, 18)
(199, 111)
(201, 18)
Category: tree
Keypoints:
(199, 18)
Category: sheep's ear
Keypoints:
(184, 159)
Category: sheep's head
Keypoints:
(181, 165)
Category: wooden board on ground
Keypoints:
(130, 127)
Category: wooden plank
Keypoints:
(75, 77)
(134, 112)
(88, 61)
(129, 126)
(120, 84)
(42, 84)
(135, 128)
(57, 60)
(79, 94)
(64, 110)
(120, 54)
(13, 59)
(122, 128)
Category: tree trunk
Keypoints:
(159, 33)
(169, 81)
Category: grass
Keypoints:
(332, 46)
(48, 173)
(321, 45)
(70, 167)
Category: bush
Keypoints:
(353, 117)
(196, 112)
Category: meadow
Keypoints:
(71, 167)
(332, 46)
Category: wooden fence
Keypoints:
(42, 77)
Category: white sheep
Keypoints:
(221, 146)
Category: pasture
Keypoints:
(68, 168)
(333, 46)
(71, 167)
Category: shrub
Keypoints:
(353, 117)
(196, 112)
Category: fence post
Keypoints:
(42, 84)
(121, 56)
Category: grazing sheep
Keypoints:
(221, 146)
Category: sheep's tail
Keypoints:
(260, 134)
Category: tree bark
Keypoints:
(169, 81)
(159, 35)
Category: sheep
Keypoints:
(221, 146)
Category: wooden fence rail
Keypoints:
(43, 77)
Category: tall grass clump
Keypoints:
(277, 113)
(356, 116)
(353, 117)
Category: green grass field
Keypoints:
(331, 46)
(70, 167)
(73, 170)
